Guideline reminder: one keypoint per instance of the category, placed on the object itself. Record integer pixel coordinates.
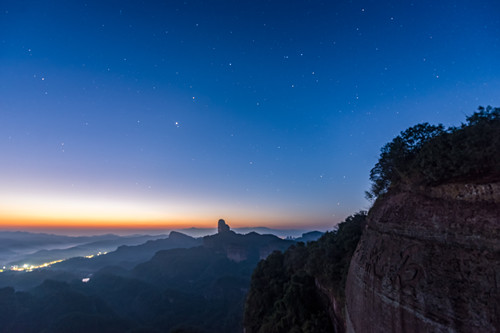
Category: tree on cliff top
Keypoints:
(397, 155)
(428, 154)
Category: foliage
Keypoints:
(330, 257)
(427, 154)
(284, 293)
(177, 290)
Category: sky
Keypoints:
(161, 114)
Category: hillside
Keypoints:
(428, 259)
(123, 258)
(196, 289)
(18, 248)
(302, 289)
(128, 256)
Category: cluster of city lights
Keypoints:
(95, 255)
(29, 267)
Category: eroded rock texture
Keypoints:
(428, 261)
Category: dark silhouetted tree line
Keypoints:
(284, 293)
(429, 155)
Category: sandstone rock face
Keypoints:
(428, 261)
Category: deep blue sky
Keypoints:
(260, 112)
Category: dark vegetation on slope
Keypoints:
(429, 155)
(127, 256)
(124, 257)
(183, 290)
(291, 291)
(198, 289)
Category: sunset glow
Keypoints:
(86, 212)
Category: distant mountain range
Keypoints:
(128, 256)
(282, 233)
(19, 247)
(173, 284)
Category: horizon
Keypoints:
(161, 115)
(124, 232)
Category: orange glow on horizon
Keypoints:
(95, 226)
(38, 212)
(58, 211)
(75, 223)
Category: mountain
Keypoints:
(426, 257)
(17, 244)
(128, 256)
(197, 232)
(226, 254)
(197, 289)
(301, 290)
(310, 236)
(56, 307)
(85, 249)
(18, 248)
(238, 247)
(20, 240)
(282, 233)
(123, 258)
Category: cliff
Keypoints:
(428, 261)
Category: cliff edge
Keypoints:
(428, 261)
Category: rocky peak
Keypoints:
(222, 227)
(238, 247)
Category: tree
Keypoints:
(428, 154)
(396, 157)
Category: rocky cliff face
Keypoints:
(428, 261)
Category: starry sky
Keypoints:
(158, 114)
